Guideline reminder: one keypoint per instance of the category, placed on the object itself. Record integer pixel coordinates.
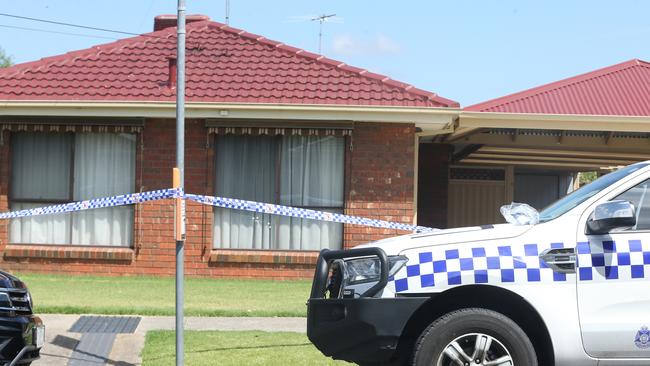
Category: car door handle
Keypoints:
(562, 260)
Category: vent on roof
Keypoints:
(161, 22)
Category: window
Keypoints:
(300, 171)
(55, 168)
(639, 196)
(567, 203)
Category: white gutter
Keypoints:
(427, 119)
(574, 122)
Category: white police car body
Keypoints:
(573, 289)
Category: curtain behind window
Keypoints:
(304, 171)
(245, 170)
(312, 176)
(104, 165)
(40, 169)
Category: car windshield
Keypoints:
(572, 200)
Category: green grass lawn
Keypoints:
(155, 296)
(234, 348)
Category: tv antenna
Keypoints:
(331, 18)
(322, 19)
(227, 12)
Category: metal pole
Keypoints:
(227, 12)
(320, 36)
(180, 164)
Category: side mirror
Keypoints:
(611, 215)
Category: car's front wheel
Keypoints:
(474, 337)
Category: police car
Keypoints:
(570, 288)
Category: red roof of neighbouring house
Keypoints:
(622, 89)
(224, 64)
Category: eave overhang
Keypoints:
(425, 118)
(573, 122)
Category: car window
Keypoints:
(639, 196)
(565, 204)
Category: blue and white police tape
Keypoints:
(121, 200)
(232, 203)
(302, 213)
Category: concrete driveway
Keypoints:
(64, 347)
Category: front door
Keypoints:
(613, 276)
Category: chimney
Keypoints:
(171, 78)
(161, 22)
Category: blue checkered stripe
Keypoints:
(613, 260)
(302, 213)
(125, 199)
(441, 268)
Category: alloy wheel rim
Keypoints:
(475, 349)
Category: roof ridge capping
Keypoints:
(641, 62)
(334, 63)
(555, 85)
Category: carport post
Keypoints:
(180, 181)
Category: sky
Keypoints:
(465, 50)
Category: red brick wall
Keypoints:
(379, 184)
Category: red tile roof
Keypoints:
(224, 64)
(622, 89)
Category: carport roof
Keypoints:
(224, 65)
(619, 90)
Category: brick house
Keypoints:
(265, 121)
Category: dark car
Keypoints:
(21, 333)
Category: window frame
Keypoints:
(54, 201)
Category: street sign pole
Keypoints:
(180, 177)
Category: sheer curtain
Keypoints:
(40, 170)
(245, 170)
(103, 165)
(305, 171)
(312, 176)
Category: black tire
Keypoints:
(435, 339)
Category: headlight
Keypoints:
(365, 270)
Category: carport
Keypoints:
(530, 146)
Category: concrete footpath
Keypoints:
(61, 343)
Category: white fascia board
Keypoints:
(428, 119)
(574, 122)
